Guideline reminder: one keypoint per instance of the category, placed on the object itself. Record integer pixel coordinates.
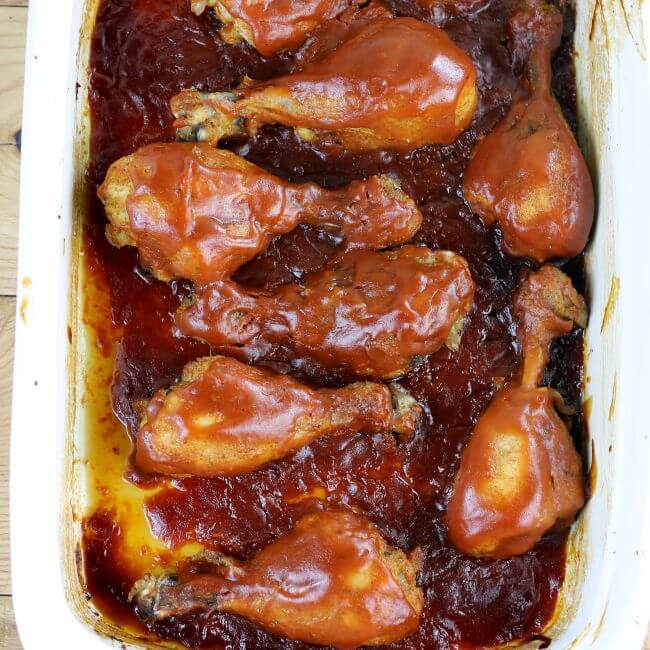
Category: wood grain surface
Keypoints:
(13, 20)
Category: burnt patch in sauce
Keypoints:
(145, 51)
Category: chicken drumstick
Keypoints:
(394, 82)
(528, 174)
(520, 474)
(226, 418)
(369, 313)
(332, 580)
(271, 27)
(200, 213)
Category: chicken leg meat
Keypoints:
(225, 418)
(528, 174)
(520, 474)
(271, 27)
(369, 313)
(200, 213)
(391, 82)
(332, 580)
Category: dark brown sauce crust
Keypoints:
(145, 51)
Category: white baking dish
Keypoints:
(605, 602)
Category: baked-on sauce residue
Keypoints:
(145, 51)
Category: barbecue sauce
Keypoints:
(145, 51)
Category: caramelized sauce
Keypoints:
(145, 51)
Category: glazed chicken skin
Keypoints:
(271, 27)
(199, 213)
(332, 580)
(528, 174)
(393, 82)
(226, 418)
(369, 313)
(520, 474)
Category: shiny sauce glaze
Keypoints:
(244, 207)
(145, 51)
(273, 27)
(223, 407)
(352, 588)
(370, 313)
(424, 91)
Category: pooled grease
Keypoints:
(145, 51)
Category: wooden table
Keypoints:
(13, 20)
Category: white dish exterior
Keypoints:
(605, 602)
